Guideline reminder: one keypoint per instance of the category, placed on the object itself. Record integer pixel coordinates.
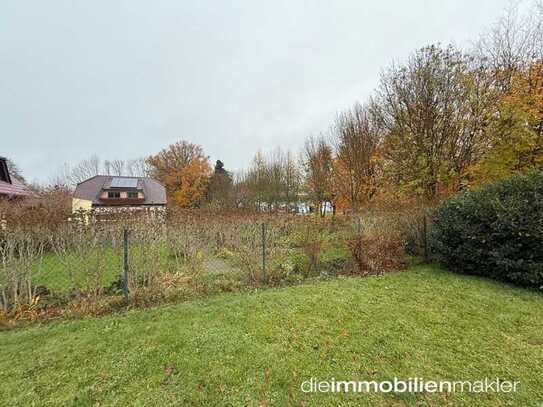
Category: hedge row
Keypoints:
(495, 231)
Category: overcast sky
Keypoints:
(123, 79)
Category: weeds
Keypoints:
(77, 268)
(378, 247)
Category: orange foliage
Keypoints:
(193, 181)
(184, 170)
(516, 132)
(527, 92)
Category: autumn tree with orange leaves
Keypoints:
(184, 170)
(356, 161)
(516, 132)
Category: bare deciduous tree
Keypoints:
(84, 170)
(513, 43)
(114, 167)
(272, 181)
(68, 176)
(137, 168)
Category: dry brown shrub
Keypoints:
(41, 214)
(379, 248)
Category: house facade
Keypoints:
(104, 192)
(11, 187)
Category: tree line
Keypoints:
(443, 121)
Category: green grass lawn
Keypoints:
(101, 268)
(96, 269)
(257, 348)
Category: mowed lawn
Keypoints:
(257, 348)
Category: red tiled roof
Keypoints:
(16, 188)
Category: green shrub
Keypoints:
(495, 231)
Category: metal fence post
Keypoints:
(264, 277)
(425, 231)
(125, 264)
(358, 226)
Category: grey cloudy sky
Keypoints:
(123, 79)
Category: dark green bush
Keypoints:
(495, 231)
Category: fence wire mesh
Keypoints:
(87, 260)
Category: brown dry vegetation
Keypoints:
(69, 267)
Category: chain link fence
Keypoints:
(149, 260)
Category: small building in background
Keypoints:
(11, 186)
(104, 193)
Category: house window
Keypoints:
(4, 173)
(113, 194)
(132, 195)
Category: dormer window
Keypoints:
(123, 191)
(4, 172)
